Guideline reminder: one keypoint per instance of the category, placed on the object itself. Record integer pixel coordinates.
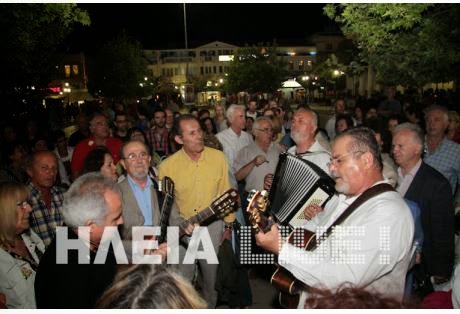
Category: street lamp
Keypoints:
(67, 90)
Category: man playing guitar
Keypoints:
(373, 250)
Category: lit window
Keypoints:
(75, 69)
(67, 70)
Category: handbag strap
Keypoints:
(365, 196)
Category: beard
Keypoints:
(340, 186)
(296, 136)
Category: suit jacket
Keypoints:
(132, 214)
(432, 192)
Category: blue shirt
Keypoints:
(446, 159)
(143, 198)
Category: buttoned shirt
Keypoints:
(233, 143)
(373, 253)
(44, 220)
(404, 181)
(316, 154)
(143, 198)
(197, 183)
(255, 178)
(446, 159)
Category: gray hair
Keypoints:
(312, 112)
(419, 136)
(231, 111)
(131, 142)
(85, 199)
(443, 109)
(363, 140)
(256, 124)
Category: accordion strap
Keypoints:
(365, 196)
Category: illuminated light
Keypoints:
(66, 84)
(80, 102)
(291, 53)
(141, 85)
(60, 93)
(221, 80)
(225, 58)
(176, 87)
(316, 77)
(312, 53)
(216, 84)
(305, 78)
(226, 74)
(322, 87)
(32, 88)
(314, 83)
(145, 78)
(336, 72)
(138, 101)
(55, 89)
(208, 83)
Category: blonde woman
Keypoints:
(219, 118)
(146, 286)
(20, 247)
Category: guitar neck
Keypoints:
(164, 217)
(199, 218)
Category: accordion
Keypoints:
(297, 183)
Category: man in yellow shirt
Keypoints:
(200, 174)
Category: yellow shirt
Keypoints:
(197, 183)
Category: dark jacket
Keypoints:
(432, 192)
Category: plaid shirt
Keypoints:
(446, 159)
(44, 220)
(160, 142)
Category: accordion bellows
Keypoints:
(297, 183)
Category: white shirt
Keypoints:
(404, 181)
(317, 154)
(17, 277)
(232, 143)
(362, 264)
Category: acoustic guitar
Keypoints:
(165, 186)
(281, 279)
(219, 208)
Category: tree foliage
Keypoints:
(30, 36)
(118, 70)
(408, 44)
(256, 69)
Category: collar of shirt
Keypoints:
(412, 172)
(134, 184)
(203, 156)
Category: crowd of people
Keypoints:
(394, 165)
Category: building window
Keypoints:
(176, 71)
(67, 70)
(163, 72)
(214, 69)
(201, 70)
(220, 69)
(75, 69)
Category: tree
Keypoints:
(256, 69)
(30, 36)
(408, 44)
(118, 70)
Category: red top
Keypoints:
(85, 146)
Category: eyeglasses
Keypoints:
(338, 160)
(133, 156)
(266, 130)
(22, 204)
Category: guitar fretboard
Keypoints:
(199, 218)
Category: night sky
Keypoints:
(158, 26)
